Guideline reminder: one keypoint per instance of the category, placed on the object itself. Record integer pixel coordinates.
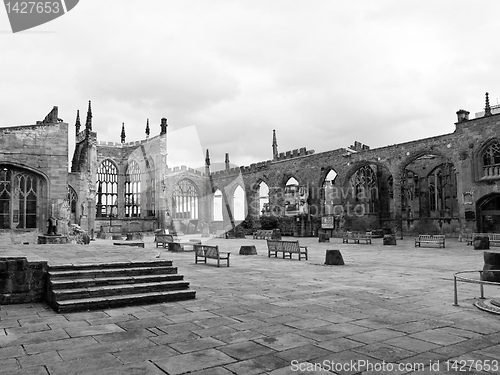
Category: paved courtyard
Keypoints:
(389, 310)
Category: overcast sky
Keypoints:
(323, 73)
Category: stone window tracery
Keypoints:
(133, 190)
(491, 161)
(19, 193)
(185, 203)
(364, 188)
(107, 190)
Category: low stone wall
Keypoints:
(22, 281)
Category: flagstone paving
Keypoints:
(389, 310)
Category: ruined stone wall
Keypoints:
(43, 149)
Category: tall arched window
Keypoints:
(133, 190)
(239, 204)
(364, 188)
(73, 200)
(185, 200)
(19, 192)
(329, 193)
(263, 194)
(218, 206)
(443, 189)
(107, 190)
(151, 188)
(292, 197)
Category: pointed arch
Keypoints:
(217, 205)
(329, 193)
(263, 197)
(239, 203)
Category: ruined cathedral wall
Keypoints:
(43, 149)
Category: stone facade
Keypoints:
(446, 184)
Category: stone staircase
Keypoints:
(80, 287)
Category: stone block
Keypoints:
(481, 243)
(389, 239)
(334, 258)
(248, 250)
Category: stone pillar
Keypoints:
(397, 225)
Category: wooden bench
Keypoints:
(431, 239)
(263, 234)
(204, 252)
(355, 237)
(287, 248)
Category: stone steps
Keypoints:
(78, 287)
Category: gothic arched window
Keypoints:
(185, 200)
(19, 193)
(364, 188)
(491, 160)
(239, 203)
(263, 196)
(107, 190)
(329, 193)
(217, 206)
(133, 190)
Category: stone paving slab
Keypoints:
(264, 315)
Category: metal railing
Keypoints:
(481, 283)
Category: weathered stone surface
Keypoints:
(22, 281)
(334, 258)
(389, 239)
(248, 250)
(481, 243)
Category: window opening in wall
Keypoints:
(185, 202)
(107, 190)
(133, 190)
(19, 195)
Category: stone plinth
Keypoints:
(175, 246)
(481, 243)
(248, 250)
(389, 239)
(334, 258)
(59, 239)
(491, 262)
(22, 281)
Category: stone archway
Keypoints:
(488, 213)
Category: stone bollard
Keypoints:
(334, 258)
(248, 250)
(389, 239)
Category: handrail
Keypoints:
(472, 281)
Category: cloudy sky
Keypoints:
(323, 73)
